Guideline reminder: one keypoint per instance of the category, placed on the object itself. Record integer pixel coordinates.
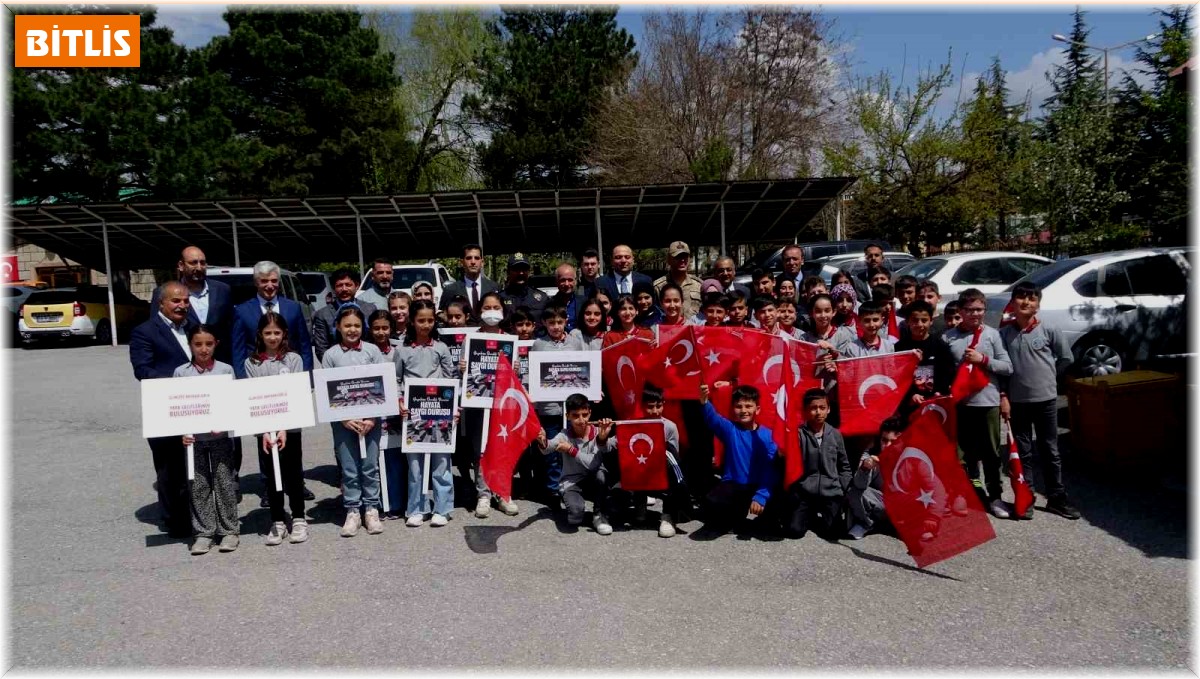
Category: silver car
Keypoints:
(1115, 308)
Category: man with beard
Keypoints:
(209, 302)
(377, 293)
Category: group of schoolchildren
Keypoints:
(574, 457)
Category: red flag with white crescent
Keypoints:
(1023, 497)
(674, 365)
(871, 388)
(514, 425)
(970, 378)
(944, 408)
(719, 348)
(622, 379)
(722, 400)
(927, 495)
(642, 454)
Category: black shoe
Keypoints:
(264, 502)
(308, 494)
(1063, 509)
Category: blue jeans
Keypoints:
(441, 482)
(360, 477)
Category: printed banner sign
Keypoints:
(522, 362)
(430, 427)
(555, 375)
(455, 339)
(356, 392)
(479, 379)
(275, 403)
(177, 406)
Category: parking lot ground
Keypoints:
(94, 583)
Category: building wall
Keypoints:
(31, 257)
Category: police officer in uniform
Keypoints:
(517, 293)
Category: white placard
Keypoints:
(430, 426)
(275, 403)
(455, 339)
(178, 406)
(482, 350)
(356, 392)
(555, 375)
(522, 361)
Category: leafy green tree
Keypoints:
(93, 133)
(542, 87)
(311, 98)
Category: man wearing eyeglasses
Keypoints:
(211, 302)
(725, 271)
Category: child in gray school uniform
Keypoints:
(582, 447)
(551, 413)
(214, 487)
(865, 494)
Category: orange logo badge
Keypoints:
(78, 40)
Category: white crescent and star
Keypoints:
(622, 362)
(687, 344)
(633, 449)
(870, 382)
(713, 357)
(939, 410)
(910, 453)
(521, 403)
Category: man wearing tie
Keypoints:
(210, 302)
(474, 285)
(245, 333)
(621, 279)
(156, 348)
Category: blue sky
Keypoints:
(889, 36)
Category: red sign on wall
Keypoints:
(8, 270)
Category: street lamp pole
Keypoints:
(1104, 50)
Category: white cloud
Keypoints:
(1031, 84)
(194, 25)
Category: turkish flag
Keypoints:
(622, 378)
(893, 328)
(1023, 497)
(673, 411)
(642, 454)
(871, 388)
(720, 349)
(722, 400)
(970, 379)
(513, 427)
(673, 366)
(927, 495)
(943, 407)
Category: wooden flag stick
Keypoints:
(362, 446)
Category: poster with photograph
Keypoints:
(356, 392)
(177, 406)
(430, 426)
(555, 375)
(275, 403)
(455, 339)
(483, 354)
(523, 347)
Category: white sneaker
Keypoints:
(278, 534)
(666, 529)
(999, 509)
(600, 523)
(415, 520)
(508, 507)
(483, 507)
(650, 500)
(299, 531)
(438, 521)
(352, 524)
(372, 522)
(858, 531)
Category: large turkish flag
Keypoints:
(513, 427)
(642, 454)
(871, 388)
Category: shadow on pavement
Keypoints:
(1136, 508)
(898, 564)
(485, 539)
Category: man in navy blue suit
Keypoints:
(621, 277)
(156, 348)
(210, 302)
(245, 332)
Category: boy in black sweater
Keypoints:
(936, 370)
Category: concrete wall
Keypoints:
(30, 257)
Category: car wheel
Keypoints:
(104, 332)
(1099, 357)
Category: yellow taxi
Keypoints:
(80, 312)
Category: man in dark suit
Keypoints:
(725, 271)
(474, 285)
(245, 333)
(325, 334)
(621, 277)
(156, 348)
(210, 302)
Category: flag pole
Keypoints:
(275, 461)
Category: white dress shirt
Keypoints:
(180, 333)
(200, 302)
(262, 304)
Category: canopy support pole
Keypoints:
(723, 252)
(599, 238)
(358, 230)
(237, 254)
(112, 303)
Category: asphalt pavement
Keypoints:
(95, 583)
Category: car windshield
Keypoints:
(59, 296)
(757, 261)
(313, 283)
(1046, 275)
(922, 269)
(404, 278)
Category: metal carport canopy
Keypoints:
(149, 234)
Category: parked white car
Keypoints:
(852, 263)
(988, 272)
(405, 275)
(1115, 308)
